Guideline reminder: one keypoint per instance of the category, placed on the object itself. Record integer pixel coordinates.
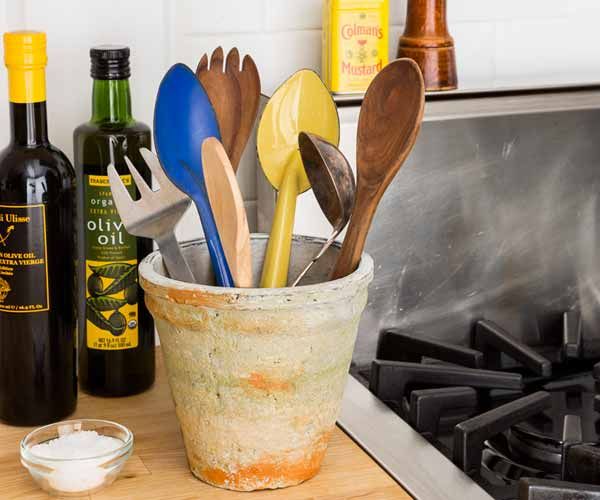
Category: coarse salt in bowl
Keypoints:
(76, 457)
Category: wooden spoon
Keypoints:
(390, 119)
(228, 208)
(249, 85)
(223, 91)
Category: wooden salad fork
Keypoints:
(156, 214)
(249, 82)
(234, 94)
(224, 93)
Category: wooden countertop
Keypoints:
(158, 467)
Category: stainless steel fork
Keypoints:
(155, 214)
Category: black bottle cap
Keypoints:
(110, 62)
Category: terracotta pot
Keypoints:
(257, 375)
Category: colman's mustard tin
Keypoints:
(355, 43)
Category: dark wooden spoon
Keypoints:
(390, 119)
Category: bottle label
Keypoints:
(356, 45)
(110, 270)
(23, 264)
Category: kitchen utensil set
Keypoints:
(202, 123)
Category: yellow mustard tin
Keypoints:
(355, 43)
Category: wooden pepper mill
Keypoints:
(427, 41)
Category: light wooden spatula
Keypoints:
(228, 208)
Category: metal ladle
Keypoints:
(332, 181)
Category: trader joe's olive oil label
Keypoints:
(355, 43)
(111, 270)
(23, 266)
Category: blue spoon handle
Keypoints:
(213, 240)
(199, 196)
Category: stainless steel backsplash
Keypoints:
(492, 217)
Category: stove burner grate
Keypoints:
(530, 425)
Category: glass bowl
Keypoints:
(76, 476)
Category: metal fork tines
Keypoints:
(155, 214)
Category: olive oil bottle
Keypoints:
(38, 383)
(116, 344)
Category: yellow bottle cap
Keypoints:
(25, 49)
(25, 57)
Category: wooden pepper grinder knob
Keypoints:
(427, 41)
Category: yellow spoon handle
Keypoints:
(277, 258)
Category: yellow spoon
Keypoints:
(301, 104)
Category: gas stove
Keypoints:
(522, 424)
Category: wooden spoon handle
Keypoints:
(228, 208)
(277, 258)
(354, 241)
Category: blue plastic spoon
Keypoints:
(183, 118)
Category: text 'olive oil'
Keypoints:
(38, 381)
(116, 351)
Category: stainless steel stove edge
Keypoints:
(409, 458)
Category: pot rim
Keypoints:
(155, 283)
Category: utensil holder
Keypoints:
(257, 375)
(427, 41)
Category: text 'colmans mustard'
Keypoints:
(355, 43)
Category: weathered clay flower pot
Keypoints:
(257, 375)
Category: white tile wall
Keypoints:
(282, 15)
(475, 62)
(224, 16)
(498, 43)
(536, 51)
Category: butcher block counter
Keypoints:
(158, 468)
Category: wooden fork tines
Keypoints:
(234, 94)
(224, 93)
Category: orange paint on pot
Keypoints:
(187, 296)
(265, 383)
(163, 310)
(193, 298)
(269, 472)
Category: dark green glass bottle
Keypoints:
(116, 332)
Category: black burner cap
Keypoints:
(110, 62)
